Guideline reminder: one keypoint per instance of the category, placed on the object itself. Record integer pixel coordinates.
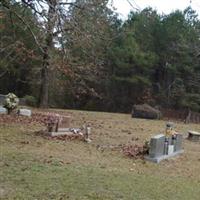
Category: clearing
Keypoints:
(33, 167)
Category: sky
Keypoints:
(123, 7)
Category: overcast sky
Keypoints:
(162, 6)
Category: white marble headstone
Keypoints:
(25, 112)
(3, 110)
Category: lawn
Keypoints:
(34, 167)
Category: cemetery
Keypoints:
(99, 100)
(107, 146)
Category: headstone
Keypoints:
(65, 122)
(3, 110)
(169, 139)
(163, 147)
(194, 136)
(178, 142)
(170, 149)
(157, 146)
(25, 112)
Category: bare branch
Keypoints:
(27, 25)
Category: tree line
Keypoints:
(79, 54)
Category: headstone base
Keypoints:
(163, 157)
(54, 134)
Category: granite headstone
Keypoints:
(157, 146)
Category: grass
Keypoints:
(33, 167)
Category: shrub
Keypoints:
(30, 100)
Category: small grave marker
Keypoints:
(194, 136)
(25, 112)
(3, 110)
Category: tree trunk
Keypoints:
(44, 89)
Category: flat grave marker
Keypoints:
(194, 136)
(3, 110)
(25, 112)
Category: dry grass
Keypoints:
(36, 168)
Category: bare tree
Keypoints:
(50, 15)
(55, 20)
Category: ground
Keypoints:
(34, 167)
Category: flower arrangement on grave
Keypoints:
(52, 121)
(11, 102)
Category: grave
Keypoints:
(59, 125)
(64, 123)
(66, 131)
(164, 147)
(24, 112)
(84, 133)
(3, 110)
(157, 146)
(194, 136)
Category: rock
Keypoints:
(145, 111)
(3, 110)
(25, 112)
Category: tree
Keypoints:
(51, 16)
(132, 62)
(177, 50)
(91, 35)
(19, 53)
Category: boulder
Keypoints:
(145, 111)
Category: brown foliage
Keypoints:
(135, 151)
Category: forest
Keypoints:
(81, 55)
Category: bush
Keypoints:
(30, 100)
(145, 111)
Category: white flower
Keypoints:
(11, 101)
